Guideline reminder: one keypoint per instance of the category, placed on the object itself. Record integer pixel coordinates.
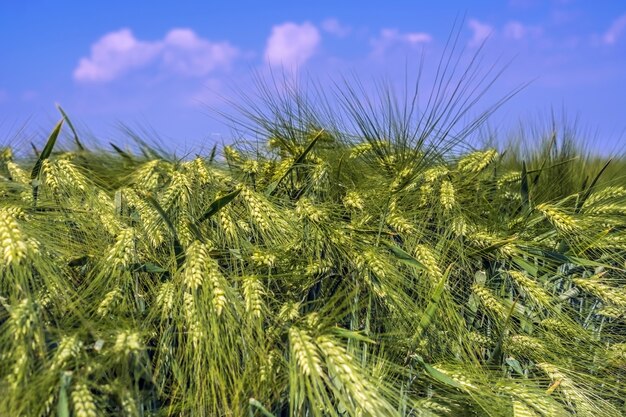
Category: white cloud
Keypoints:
(181, 51)
(115, 54)
(517, 31)
(187, 54)
(481, 31)
(334, 27)
(391, 37)
(615, 30)
(291, 44)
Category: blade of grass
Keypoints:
(217, 205)
(272, 187)
(45, 154)
(178, 249)
(71, 126)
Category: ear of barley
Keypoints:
(177, 192)
(617, 354)
(318, 267)
(289, 312)
(122, 253)
(401, 224)
(561, 221)
(525, 346)
(604, 194)
(232, 155)
(612, 312)
(425, 195)
(129, 405)
(538, 403)
(584, 405)
(340, 365)
(17, 174)
(69, 175)
(250, 167)
(509, 178)
(199, 168)
(489, 301)
(227, 224)
(83, 401)
(610, 294)
(257, 208)
(16, 247)
(109, 301)
(192, 318)
(477, 161)
(435, 173)
(447, 195)
(151, 222)
(305, 209)
(218, 286)
(360, 150)
(165, 298)
(426, 256)
(195, 267)
(69, 347)
(253, 292)
(263, 259)
(400, 180)
(305, 352)
(147, 176)
(24, 324)
(530, 287)
(127, 342)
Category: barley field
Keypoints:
(371, 263)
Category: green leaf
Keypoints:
(272, 187)
(515, 365)
(437, 374)
(45, 154)
(217, 205)
(148, 267)
(71, 126)
(213, 153)
(63, 407)
(404, 257)
(432, 307)
(581, 202)
(526, 266)
(47, 150)
(178, 249)
(121, 152)
(256, 404)
(524, 191)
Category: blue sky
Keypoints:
(162, 64)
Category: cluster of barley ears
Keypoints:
(347, 265)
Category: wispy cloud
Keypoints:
(291, 44)
(517, 31)
(334, 27)
(187, 54)
(616, 30)
(181, 52)
(391, 37)
(480, 32)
